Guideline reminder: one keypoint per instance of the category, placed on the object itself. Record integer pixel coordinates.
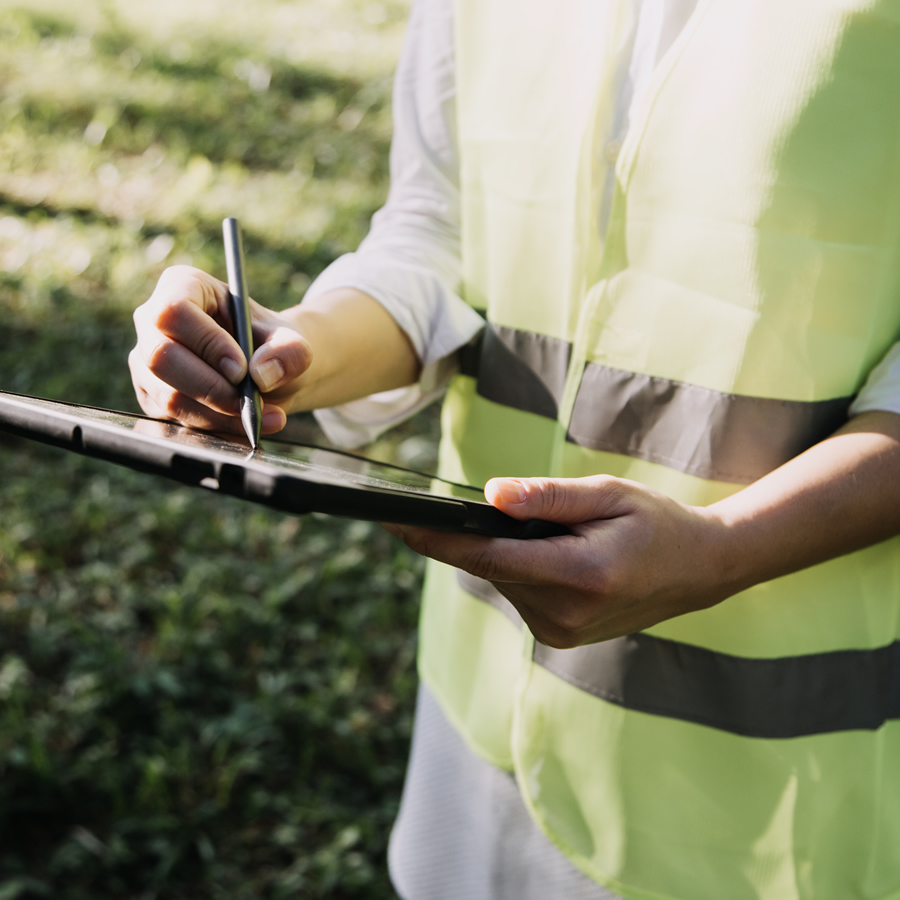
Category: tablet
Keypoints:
(294, 478)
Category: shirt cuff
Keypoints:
(436, 319)
(882, 388)
(360, 422)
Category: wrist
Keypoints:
(358, 349)
(738, 560)
(305, 388)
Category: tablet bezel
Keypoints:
(197, 458)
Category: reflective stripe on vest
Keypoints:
(726, 437)
(762, 698)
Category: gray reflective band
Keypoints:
(520, 369)
(725, 437)
(787, 697)
(791, 696)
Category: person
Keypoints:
(676, 227)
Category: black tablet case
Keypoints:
(294, 478)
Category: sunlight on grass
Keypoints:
(200, 698)
(148, 119)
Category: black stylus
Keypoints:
(251, 407)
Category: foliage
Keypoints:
(198, 698)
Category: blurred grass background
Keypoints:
(198, 698)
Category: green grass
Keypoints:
(198, 698)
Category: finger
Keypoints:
(147, 404)
(274, 418)
(190, 307)
(281, 358)
(569, 618)
(175, 366)
(564, 500)
(166, 403)
(185, 323)
(562, 616)
(497, 559)
(530, 603)
(561, 621)
(161, 400)
(206, 292)
(193, 414)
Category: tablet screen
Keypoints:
(295, 478)
(319, 464)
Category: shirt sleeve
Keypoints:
(410, 260)
(882, 388)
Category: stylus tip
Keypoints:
(250, 419)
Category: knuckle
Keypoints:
(207, 392)
(619, 492)
(172, 313)
(159, 355)
(173, 404)
(144, 319)
(207, 344)
(557, 495)
(180, 287)
(552, 636)
(553, 497)
(567, 618)
(482, 563)
(172, 283)
(178, 275)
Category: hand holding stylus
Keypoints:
(187, 364)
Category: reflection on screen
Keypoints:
(312, 463)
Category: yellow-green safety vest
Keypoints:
(748, 281)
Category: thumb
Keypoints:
(283, 357)
(564, 500)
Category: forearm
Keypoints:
(357, 349)
(840, 495)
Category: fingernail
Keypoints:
(231, 369)
(511, 491)
(268, 374)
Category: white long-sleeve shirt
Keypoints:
(410, 260)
